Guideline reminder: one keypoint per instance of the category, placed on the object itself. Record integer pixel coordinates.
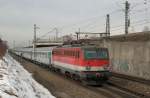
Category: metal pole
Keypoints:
(107, 25)
(56, 34)
(79, 34)
(127, 7)
(34, 41)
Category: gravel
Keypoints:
(58, 85)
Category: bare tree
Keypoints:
(3, 48)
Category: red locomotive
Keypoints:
(87, 63)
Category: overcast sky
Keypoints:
(17, 17)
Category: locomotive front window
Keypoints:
(94, 54)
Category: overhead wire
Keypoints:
(140, 22)
(88, 20)
(46, 34)
(91, 22)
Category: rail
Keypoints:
(135, 85)
(132, 78)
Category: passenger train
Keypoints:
(89, 64)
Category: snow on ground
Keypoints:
(16, 82)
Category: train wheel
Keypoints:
(75, 77)
(67, 74)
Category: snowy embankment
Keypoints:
(16, 82)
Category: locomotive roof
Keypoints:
(80, 46)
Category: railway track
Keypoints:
(112, 92)
(135, 85)
(141, 95)
(108, 90)
(132, 78)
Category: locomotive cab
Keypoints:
(96, 62)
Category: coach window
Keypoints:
(73, 53)
(65, 53)
(40, 55)
(45, 55)
(55, 52)
(69, 53)
(78, 54)
(58, 52)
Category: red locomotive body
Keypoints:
(85, 63)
